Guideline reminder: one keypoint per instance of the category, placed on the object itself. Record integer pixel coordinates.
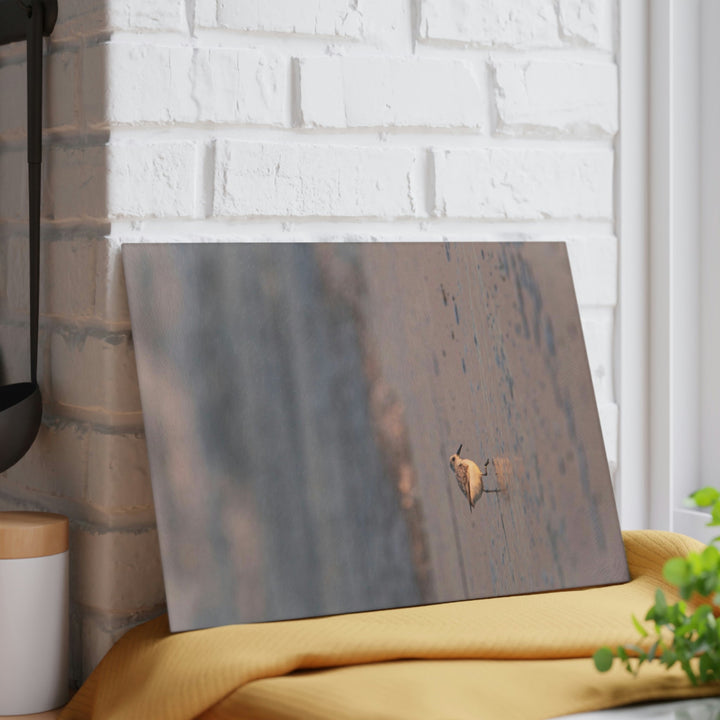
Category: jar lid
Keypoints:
(32, 534)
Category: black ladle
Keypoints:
(20, 403)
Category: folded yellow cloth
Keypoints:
(524, 657)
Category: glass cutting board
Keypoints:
(345, 427)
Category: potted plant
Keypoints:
(690, 639)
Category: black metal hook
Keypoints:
(14, 16)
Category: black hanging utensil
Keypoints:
(20, 403)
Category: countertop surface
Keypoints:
(694, 709)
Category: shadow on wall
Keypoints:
(89, 460)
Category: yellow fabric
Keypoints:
(525, 657)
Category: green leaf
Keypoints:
(676, 571)
(685, 663)
(687, 590)
(704, 612)
(707, 669)
(711, 558)
(635, 649)
(669, 658)
(643, 632)
(708, 582)
(603, 659)
(695, 562)
(704, 497)
(688, 637)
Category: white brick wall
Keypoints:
(176, 120)
(298, 180)
(549, 98)
(391, 92)
(330, 18)
(523, 184)
(158, 84)
(518, 24)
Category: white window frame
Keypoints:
(668, 226)
(631, 212)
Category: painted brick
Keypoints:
(119, 476)
(95, 85)
(60, 101)
(13, 184)
(151, 179)
(341, 18)
(15, 353)
(237, 85)
(388, 25)
(594, 262)
(12, 109)
(61, 81)
(126, 179)
(116, 571)
(551, 98)
(76, 182)
(3, 275)
(107, 474)
(56, 464)
(598, 328)
(94, 370)
(68, 290)
(17, 275)
(92, 642)
(222, 85)
(111, 303)
(314, 180)
(586, 22)
(515, 24)
(133, 83)
(390, 92)
(514, 184)
(84, 18)
(148, 15)
(78, 18)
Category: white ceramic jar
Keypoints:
(34, 612)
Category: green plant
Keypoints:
(690, 639)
